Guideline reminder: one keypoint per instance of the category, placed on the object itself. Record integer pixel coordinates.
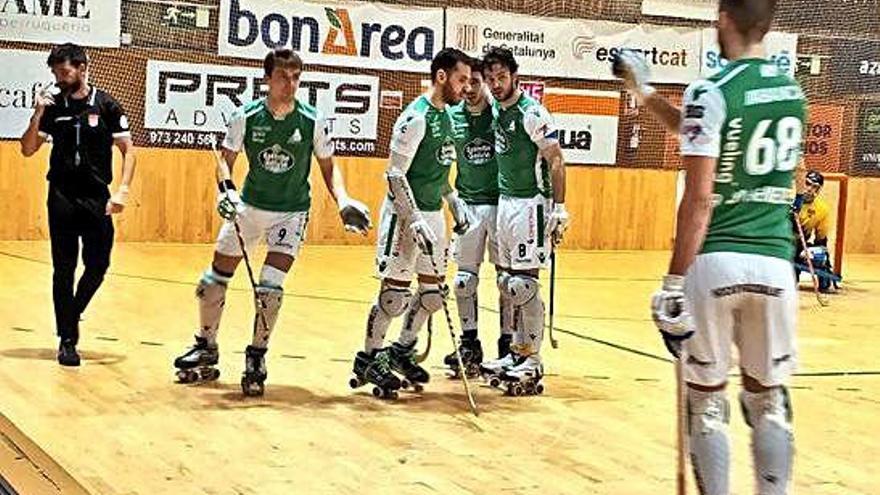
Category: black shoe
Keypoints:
(67, 355)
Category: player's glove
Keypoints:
(798, 203)
(670, 315)
(423, 234)
(460, 213)
(229, 204)
(632, 67)
(355, 215)
(558, 223)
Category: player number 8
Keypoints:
(766, 154)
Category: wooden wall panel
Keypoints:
(173, 201)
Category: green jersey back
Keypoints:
(477, 179)
(426, 134)
(751, 117)
(279, 153)
(521, 131)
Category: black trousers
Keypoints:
(72, 219)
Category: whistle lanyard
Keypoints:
(78, 125)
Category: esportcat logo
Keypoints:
(334, 34)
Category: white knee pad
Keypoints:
(211, 293)
(505, 306)
(392, 302)
(769, 415)
(431, 297)
(466, 284)
(501, 280)
(708, 420)
(427, 301)
(521, 289)
(268, 301)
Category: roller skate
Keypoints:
(199, 363)
(254, 372)
(403, 360)
(471, 356)
(526, 377)
(492, 370)
(375, 369)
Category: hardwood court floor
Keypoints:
(119, 424)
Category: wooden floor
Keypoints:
(120, 425)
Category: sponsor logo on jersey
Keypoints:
(446, 153)
(93, 120)
(295, 138)
(478, 151)
(276, 159)
(512, 126)
(502, 143)
(732, 151)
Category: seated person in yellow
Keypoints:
(815, 218)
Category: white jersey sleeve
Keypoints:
(322, 145)
(539, 125)
(703, 113)
(408, 133)
(234, 140)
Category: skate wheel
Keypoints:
(354, 382)
(377, 392)
(539, 388)
(209, 374)
(186, 376)
(391, 394)
(494, 382)
(418, 387)
(405, 384)
(518, 390)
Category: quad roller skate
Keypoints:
(254, 372)
(492, 371)
(198, 364)
(471, 356)
(402, 359)
(524, 378)
(375, 369)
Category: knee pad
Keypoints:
(466, 284)
(708, 412)
(211, 285)
(431, 297)
(772, 405)
(521, 289)
(393, 301)
(501, 280)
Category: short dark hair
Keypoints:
(446, 59)
(500, 55)
(752, 18)
(476, 64)
(68, 52)
(283, 58)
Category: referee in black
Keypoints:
(82, 123)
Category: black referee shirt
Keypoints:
(82, 134)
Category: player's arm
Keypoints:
(229, 203)
(703, 118)
(355, 215)
(39, 127)
(539, 124)
(405, 140)
(118, 125)
(633, 69)
(458, 208)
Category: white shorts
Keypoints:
(283, 231)
(397, 254)
(523, 238)
(746, 299)
(470, 248)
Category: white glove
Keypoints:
(423, 234)
(355, 215)
(670, 314)
(632, 67)
(229, 204)
(558, 223)
(460, 213)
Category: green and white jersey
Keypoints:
(477, 179)
(521, 131)
(751, 117)
(279, 153)
(426, 134)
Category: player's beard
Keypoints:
(450, 96)
(70, 88)
(507, 95)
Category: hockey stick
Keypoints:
(823, 301)
(222, 176)
(681, 428)
(553, 342)
(464, 379)
(420, 358)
